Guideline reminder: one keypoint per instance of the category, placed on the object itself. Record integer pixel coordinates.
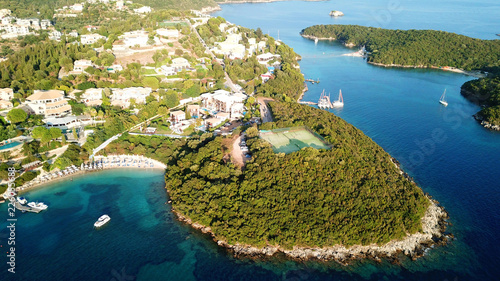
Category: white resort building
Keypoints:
(49, 103)
(224, 101)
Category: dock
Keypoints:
(308, 102)
(312, 81)
(24, 208)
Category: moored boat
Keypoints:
(339, 102)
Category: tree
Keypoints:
(171, 98)
(39, 132)
(17, 115)
(55, 133)
(62, 163)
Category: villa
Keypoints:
(179, 64)
(124, 97)
(194, 110)
(136, 38)
(91, 38)
(6, 94)
(177, 116)
(92, 97)
(4, 104)
(167, 70)
(266, 58)
(49, 103)
(79, 66)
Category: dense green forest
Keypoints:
(416, 47)
(351, 194)
(485, 92)
(45, 8)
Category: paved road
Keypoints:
(265, 113)
(229, 83)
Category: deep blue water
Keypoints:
(398, 108)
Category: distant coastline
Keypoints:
(476, 74)
(261, 1)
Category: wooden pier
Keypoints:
(26, 208)
(312, 81)
(308, 102)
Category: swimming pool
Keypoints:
(10, 145)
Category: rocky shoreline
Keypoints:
(485, 123)
(413, 245)
(479, 99)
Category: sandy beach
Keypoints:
(42, 179)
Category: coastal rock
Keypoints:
(336, 13)
(413, 245)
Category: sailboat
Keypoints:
(340, 101)
(322, 103)
(442, 100)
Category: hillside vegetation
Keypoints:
(416, 47)
(351, 194)
(30, 8)
(485, 92)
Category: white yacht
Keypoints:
(22, 200)
(39, 205)
(102, 221)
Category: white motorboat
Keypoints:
(102, 221)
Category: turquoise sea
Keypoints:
(398, 108)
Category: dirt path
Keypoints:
(236, 153)
(264, 110)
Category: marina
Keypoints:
(324, 101)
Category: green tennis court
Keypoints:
(288, 140)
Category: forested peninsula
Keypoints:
(347, 202)
(428, 48)
(485, 92)
(415, 48)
